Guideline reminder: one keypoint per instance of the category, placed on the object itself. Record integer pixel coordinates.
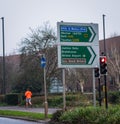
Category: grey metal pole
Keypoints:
(94, 89)
(64, 93)
(4, 83)
(45, 92)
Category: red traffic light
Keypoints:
(103, 59)
(103, 64)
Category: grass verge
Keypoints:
(25, 115)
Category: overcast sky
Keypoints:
(20, 15)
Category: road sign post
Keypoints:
(78, 46)
(43, 64)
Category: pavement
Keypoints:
(37, 110)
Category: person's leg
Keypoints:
(30, 102)
(27, 103)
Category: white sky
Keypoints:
(20, 15)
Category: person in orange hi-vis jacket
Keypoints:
(28, 95)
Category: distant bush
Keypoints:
(55, 101)
(13, 99)
(114, 97)
(72, 100)
(2, 98)
(38, 101)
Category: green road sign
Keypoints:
(77, 55)
(76, 33)
(78, 45)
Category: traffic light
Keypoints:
(97, 74)
(103, 65)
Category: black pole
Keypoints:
(4, 91)
(106, 100)
(99, 90)
(105, 82)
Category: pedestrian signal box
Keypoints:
(97, 74)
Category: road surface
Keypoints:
(16, 121)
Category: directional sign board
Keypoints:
(78, 45)
(76, 33)
(74, 55)
(78, 56)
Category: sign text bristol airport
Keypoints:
(78, 45)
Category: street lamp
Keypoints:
(3, 37)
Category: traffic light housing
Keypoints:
(97, 73)
(103, 65)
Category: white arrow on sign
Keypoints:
(92, 53)
(43, 62)
(92, 32)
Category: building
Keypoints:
(113, 61)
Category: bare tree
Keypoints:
(41, 41)
(78, 79)
(114, 63)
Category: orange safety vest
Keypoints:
(28, 94)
